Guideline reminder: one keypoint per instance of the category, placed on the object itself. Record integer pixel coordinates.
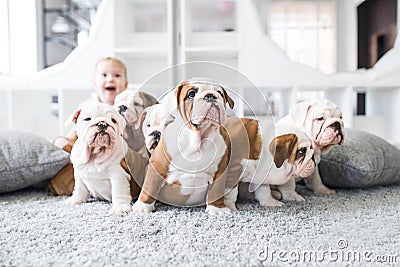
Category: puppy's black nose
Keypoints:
(102, 126)
(210, 98)
(336, 126)
(122, 109)
(156, 135)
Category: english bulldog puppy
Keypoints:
(96, 157)
(286, 153)
(188, 166)
(322, 121)
(155, 118)
(130, 104)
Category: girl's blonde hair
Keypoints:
(115, 61)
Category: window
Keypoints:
(18, 33)
(306, 31)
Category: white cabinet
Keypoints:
(141, 37)
(151, 36)
(209, 31)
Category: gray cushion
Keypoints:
(364, 160)
(27, 159)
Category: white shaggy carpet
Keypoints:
(353, 227)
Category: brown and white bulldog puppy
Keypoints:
(96, 157)
(188, 167)
(155, 118)
(322, 121)
(130, 104)
(286, 153)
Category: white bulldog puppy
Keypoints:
(322, 121)
(130, 104)
(286, 153)
(188, 165)
(155, 118)
(96, 157)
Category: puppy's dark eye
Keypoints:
(113, 120)
(136, 104)
(147, 125)
(301, 152)
(122, 108)
(320, 118)
(219, 92)
(87, 119)
(191, 94)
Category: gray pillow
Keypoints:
(27, 159)
(364, 160)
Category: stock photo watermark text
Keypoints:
(339, 253)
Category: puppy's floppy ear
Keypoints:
(283, 147)
(73, 118)
(299, 112)
(148, 100)
(227, 98)
(140, 120)
(178, 91)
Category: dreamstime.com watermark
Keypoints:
(339, 253)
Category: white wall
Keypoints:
(23, 37)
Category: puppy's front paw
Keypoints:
(230, 205)
(140, 206)
(324, 190)
(213, 210)
(292, 196)
(118, 209)
(271, 202)
(73, 201)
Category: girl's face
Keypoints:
(109, 80)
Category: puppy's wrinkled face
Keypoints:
(98, 125)
(129, 104)
(296, 149)
(156, 118)
(202, 104)
(326, 124)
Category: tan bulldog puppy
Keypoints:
(96, 157)
(322, 121)
(130, 104)
(188, 167)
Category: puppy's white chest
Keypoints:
(98, 183)
(98, 186)
(194, 165)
